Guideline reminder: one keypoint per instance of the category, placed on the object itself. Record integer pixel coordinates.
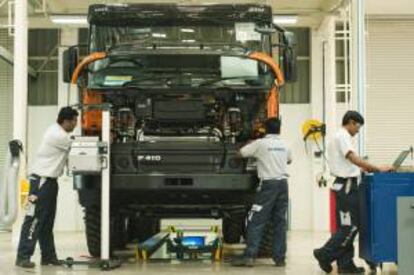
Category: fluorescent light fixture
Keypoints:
(69, 19)
(187, 30)
(159, 35)
(285, 19)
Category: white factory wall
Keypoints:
(300, 181)
(322, 50)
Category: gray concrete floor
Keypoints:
(299, 260)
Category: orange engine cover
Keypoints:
(91, 120)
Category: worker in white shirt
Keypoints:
(47, 167)
(345, 165)
(272, 198)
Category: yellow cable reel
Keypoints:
(311, 128)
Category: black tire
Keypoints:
(118, 231)
(93, 230)
(233, 228)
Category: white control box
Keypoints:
(87, 155)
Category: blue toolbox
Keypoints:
(378, 214)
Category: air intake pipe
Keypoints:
(9, 187)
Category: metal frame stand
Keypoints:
(105, 263)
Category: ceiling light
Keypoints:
(285, 19)
(69, 19)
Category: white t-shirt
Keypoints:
(52, 154)
(338, 149)
(272, 157)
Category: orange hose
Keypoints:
(87, 60)
(273, 97)
(273, 102)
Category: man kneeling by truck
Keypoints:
(271, 200)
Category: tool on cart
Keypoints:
(397, 164)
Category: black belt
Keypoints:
(274, 180)
(344, 180)
(39, 177)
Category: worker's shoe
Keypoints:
(25, 263)
(351, 269)
(243, 261)
(55, 262)
(323, 261)
(280, 262)
(372, 266)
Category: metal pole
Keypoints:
(360, 67)
(20, 71)
(105, 188)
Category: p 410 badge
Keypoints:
(149, 158)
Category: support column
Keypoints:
(359, 65)
(20, 89)
(105, 188)
(20, 71)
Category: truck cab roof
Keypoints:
(167, 14)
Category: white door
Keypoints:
(390, 89)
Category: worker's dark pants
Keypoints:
(271, 203)
(340, 246)
(40, 225)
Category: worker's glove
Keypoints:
(32, 198)
(30, 205)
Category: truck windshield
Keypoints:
(125, 68)
(104, 38)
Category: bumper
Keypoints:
(207, 182)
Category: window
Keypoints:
(43, 58)
(342, 61)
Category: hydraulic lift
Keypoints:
(185, 244)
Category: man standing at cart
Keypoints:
(345, 165)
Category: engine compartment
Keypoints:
(221, 117)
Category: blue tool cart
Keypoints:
(378, 214)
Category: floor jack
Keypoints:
(100, 156)
(184, 244)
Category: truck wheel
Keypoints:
(118, 231)
(93, 230)
(233, 229)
